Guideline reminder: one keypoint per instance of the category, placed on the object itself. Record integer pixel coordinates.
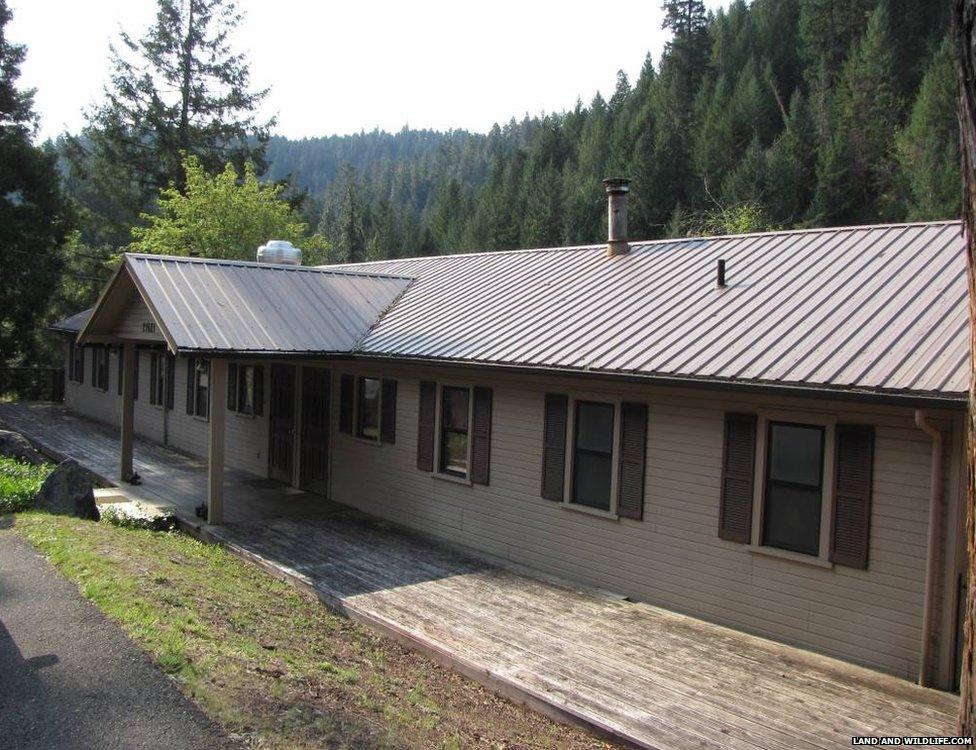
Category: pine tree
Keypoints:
(179, 90)
(34, 217)
(791, 165)
(928, 148)
(688, 51)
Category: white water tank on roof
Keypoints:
(280, 252)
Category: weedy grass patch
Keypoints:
(269, 663)
(19, 483)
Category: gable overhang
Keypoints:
(102, 326)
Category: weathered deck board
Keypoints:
(654, 677)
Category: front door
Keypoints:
(315, 430)
(281, 450)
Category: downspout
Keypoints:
(932, 556)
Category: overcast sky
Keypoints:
(341, 67)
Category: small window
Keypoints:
(100, 368)
(245, 389)
(157, 378)
(368, 409)
(201, 388)
(454, 430)
(76, 362)
(794, 487)
(593, 454)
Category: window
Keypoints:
(200, 379)
(794, 487)
(245, 389)
(593, 455)
(454, 430)
(157, 378)
(76, 362)
(368, 409)
(100, 367)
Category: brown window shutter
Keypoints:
(388, 398)
(121, 364)
(232, 387)
(135, 378)
(481, 436)
(426, 424)
(554, 446)
(347, 386)
(633, 446)
(81, 372)
(258, 390)
(191, 366)
(851, 518)
(170, 380)
(738, 477)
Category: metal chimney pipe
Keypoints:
(617, 189)
(720, 274)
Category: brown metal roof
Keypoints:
(207, 305)
(73, 323)
(873, 308)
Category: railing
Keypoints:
(32, 383)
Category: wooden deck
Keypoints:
(652, 677)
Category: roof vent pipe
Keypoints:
(720, 273)
(617, 189)
(280, 252)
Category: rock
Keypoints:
(69, 490)
(15, 445)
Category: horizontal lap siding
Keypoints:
(674, 556)
(246, 437)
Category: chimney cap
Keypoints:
(617, 185)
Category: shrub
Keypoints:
(19, 483)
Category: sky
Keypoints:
(342, 67)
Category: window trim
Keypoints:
(357, 395)
(438, 473)
(812, 419)
(567, 501)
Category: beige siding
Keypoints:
(137, 322)
(247, 437)
(673, 557)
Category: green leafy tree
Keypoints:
(223, 216)
(180, 89)
(928, 147)
(34, 216)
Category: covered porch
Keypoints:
(209, 312)
(647, 675)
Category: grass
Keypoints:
(19, 483)
(270, 664)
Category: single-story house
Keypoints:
(764, 430)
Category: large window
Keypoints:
(455, 404)
(593, 454)
(368, 409)
(794, 487)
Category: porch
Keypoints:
(650, 676)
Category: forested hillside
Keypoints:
(776, 113)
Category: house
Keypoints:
(765, 431)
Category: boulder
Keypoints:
(69, 489)
(15, 445)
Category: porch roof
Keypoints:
(212, 306)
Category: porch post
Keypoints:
(215, 465)
(128, 355)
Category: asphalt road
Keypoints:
(71, 679)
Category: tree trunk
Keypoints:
(964, 38)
